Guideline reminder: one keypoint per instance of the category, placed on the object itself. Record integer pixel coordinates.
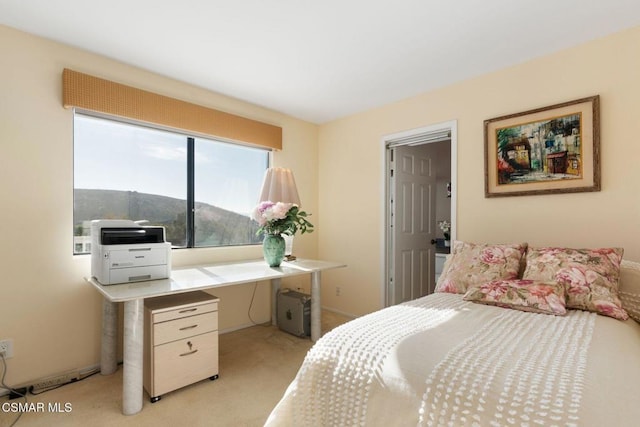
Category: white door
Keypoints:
(413, 181)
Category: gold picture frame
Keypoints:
(549, 150)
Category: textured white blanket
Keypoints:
(338, 373)
(534, 364)
(442, 361)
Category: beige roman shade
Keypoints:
(103, 96)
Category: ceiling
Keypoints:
(321, 60)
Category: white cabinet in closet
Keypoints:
(440, 259)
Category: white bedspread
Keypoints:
(442, 361)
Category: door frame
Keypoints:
(386, 256)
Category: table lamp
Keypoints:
(279, 185)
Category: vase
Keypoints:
(273, 249)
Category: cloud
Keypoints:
(165, 152)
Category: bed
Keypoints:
(452, 358)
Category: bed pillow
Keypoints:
(630, 288)
(525, 295)
(472, 264)
(590, 276)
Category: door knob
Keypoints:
(433, 241)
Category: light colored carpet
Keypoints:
(256, 366)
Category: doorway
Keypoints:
(420, 183)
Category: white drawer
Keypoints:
(185, 327)
(184, 362)
(187, 311)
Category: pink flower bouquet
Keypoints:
(281, 218)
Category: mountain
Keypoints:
(214, 226)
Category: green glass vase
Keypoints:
(273, 249)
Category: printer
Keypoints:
(123, 251)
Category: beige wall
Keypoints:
(351, 173)
(52, 315)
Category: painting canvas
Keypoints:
(549, 150)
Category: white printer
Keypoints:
(124, 251)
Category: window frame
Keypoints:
(190, 167)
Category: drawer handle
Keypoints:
(188, 327)
(189, 352)
(188, 310)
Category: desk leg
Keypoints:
(133, 359)
(108, 356)
(316, 313)
(275, 287)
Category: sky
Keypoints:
(116, 156)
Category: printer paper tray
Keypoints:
(128, 256)
(136, 274)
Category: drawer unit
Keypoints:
(180, 341)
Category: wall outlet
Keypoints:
(338, 291)
(6, 348)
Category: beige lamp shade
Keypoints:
(279, 186)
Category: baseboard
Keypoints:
(81, 374)
(248, 325)
(243, 326)
(342, 313)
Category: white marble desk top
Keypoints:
(199, 277)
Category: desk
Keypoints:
(186, 279)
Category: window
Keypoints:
(127, 171)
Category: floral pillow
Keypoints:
(525, 295)
(590, 276)
(472, 264)
(629, 291)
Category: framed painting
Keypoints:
(548, 150)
